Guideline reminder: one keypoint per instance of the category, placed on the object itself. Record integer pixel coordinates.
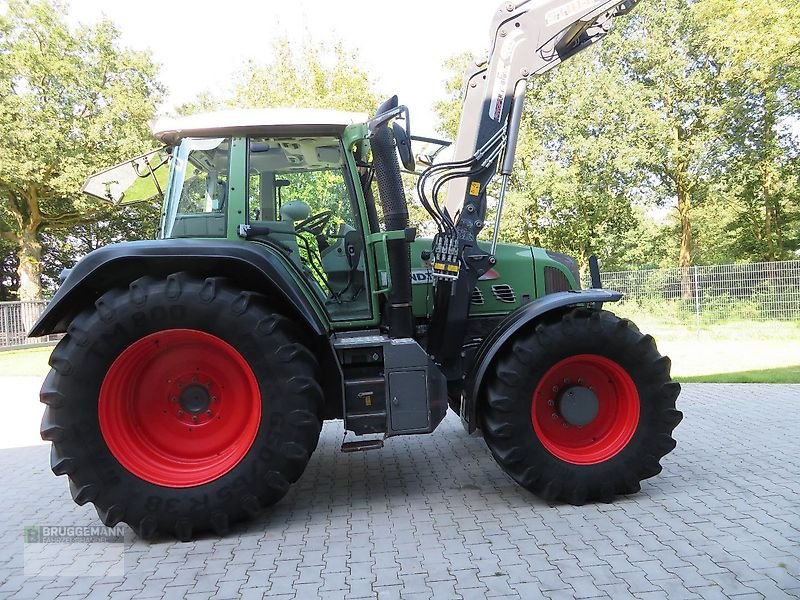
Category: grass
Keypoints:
(703, 356)
(737, 352)
(31, 362)
(733, 352)
(780, 375)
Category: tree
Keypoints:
(675, 82)
(71, 102)
(306, 75)
(579, 182)
(617, 126)
(757, 46)
(448, 110)
(115, 224)
(574, 184)
(9, 266)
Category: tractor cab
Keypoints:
(279, 178)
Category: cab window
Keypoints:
(196, 206)
(299, 189)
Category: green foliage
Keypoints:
(9, 263)
(71, 102)
(304, 75)
(757, 46)
(316, 76)
(117, 224)
(449, 109)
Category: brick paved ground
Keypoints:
(433, 516)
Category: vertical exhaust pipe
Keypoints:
(395, 213)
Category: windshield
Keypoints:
(198, 189)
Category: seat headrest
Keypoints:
(296, 210)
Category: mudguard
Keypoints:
(251, 265)
(495, 341)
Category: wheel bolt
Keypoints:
(194, 419)
(213, 398)
(208, 412)
(550, 403)
(565, 425)
(180, 413)
(174, 399)
(554, 415)
(555, 388)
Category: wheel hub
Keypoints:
(195, 399)
(578, 405)
(179, 408)
(585, 409)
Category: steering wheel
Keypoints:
(315, 224)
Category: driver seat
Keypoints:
(283, 231)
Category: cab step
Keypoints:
(362, 445)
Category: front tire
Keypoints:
(180, 405)
(581, 409)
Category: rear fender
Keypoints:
(540, 309)
(248, 265)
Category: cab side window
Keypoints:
(298, 189)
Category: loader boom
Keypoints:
(528, 39)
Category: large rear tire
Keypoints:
(180, 405)
(581, 409)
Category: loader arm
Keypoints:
(528, 38)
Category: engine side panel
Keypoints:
(500, 291)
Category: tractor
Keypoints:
(286, 288)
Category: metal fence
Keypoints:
(16, 319)
(707, 295)
(703, 295)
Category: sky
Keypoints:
(201, 44)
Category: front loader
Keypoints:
(286, 288)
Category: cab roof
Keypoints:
(266, 121)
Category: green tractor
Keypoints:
(286, 288)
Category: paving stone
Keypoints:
(433, 516)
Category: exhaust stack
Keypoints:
(395, 214)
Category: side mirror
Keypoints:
(403, 142)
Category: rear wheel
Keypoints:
(180, 405)
(581, 409)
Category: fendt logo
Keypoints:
(425, 276)
(419, 277)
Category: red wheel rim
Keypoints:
(179, 408)
(617, 409)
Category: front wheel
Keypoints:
(581, 409)
(180, 405)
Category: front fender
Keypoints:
(516, 320)
(250, 265)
